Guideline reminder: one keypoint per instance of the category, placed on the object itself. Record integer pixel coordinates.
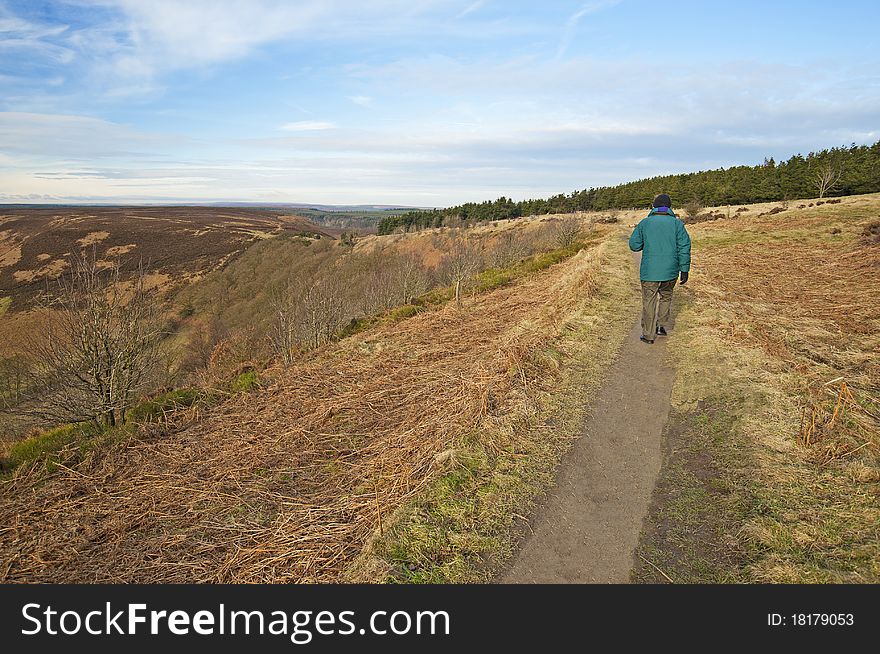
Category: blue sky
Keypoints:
(425, 103)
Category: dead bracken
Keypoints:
(288, 484)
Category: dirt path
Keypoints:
(588, 528)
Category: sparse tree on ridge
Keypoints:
(827, 179)
(510, 247)
(410, 276)
(323, 308)
(285, 321)
(460, 263)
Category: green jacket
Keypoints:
(665, 246)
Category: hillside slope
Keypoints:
(173, 243)
(289, 484)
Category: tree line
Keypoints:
(831, 172)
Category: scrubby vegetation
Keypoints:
(287, 482)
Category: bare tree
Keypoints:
(283, 329)
(827, 179)
(410, 276)
(97, 350)
(323, 309)
(370, 284)
(567, 230)
(13, 380)
(510, 247)
(461, 261)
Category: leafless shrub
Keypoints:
(694, 208)
(283, 327)
(409, 276)
(567, 230)
(371, 286)
(324, 308)
(97, 350)
(462, 260)
(510, 247)
(13, 379)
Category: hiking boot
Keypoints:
(661, 331)
(646, 340)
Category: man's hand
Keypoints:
(684, 278)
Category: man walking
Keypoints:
(666, 254)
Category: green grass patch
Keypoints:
(403, 312)
(72, 442)
(246, 382)
(156, 407)
(46, 445)
(5, 303)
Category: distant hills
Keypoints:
(251, 205)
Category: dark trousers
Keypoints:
(651, 317)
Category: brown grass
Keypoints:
(288, 484)
(813, 305)
(783, 332)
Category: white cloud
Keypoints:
(307, 126)
(162, 35)
(17, 34)
(361, 100)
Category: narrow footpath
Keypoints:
(588, 527)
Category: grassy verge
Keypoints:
(700, 500)
(465, 524)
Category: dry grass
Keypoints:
(812, 304)
(465, 525)
(289, 483)
(784, 329)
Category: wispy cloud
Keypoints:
(67, 137)
(307, 126)
(571, 24)
(37, 39)
(471, 8)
